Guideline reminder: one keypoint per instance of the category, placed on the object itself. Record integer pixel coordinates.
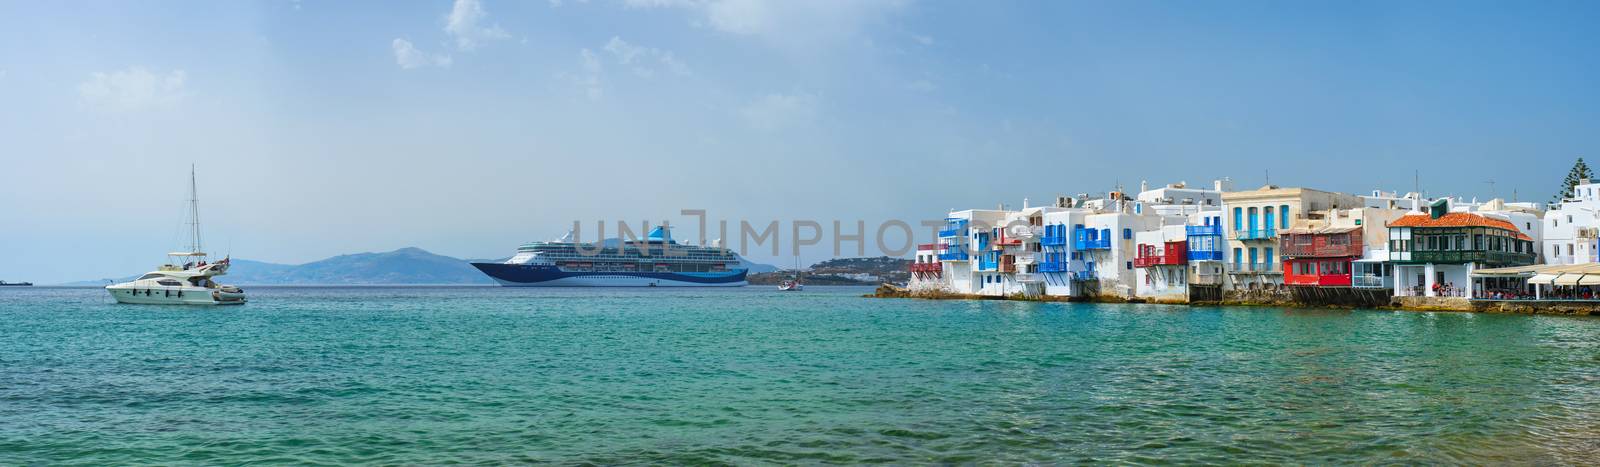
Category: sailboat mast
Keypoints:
(194, 214)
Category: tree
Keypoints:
(1580, 171)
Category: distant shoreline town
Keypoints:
(1274, 245)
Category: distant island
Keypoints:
(843, 271)
(405, 266)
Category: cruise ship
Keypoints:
(656, 261)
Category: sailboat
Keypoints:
(188, 276)
(793, 285)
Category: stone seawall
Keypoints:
(1284, 297)
(1539, 307)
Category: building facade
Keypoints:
(1434, 253)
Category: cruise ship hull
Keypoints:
(523, 275)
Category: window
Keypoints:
(1238, 256)
(1238, 216)
(1341, 240)
(169, 282)
(1127, 234)
(1268, 259)
(1268, 212)
(1130, 265)
(1283, 216)
(1255, 219)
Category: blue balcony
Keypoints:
(1059, 266)
(1053, 241)
(958, 255)
(1204, 255)
(954, 228)
(1257, 234)
(1092, 244)
(1200, 230)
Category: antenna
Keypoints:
(1269, 176)
(1492, 193)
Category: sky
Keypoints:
(467, 127)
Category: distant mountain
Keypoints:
(402, 266)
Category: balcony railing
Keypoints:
(956, 232)
(926, 267)
(1320, 251)
(957, 255)
(1206, 279)
(1092, 244)
(1491, 257)
(1053, 241)
(1372, 282)
(1255, 268)
(1059, 266)
(1160, 260)
(1204, 255)
(1198, 230)
(1256, 234)
(1029, 277)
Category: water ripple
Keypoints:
(335, 376)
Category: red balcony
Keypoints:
(928, 246)
(1168, 254)
(1335, 242)
(1008, 263)
(926, 267)
(1318, 273)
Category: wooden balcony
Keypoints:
(1332, 244)
(1168, 254)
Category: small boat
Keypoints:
(187, 278)
(15, 284)
(793, 285)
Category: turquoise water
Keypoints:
(494, 376)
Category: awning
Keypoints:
(1542, 279)
(1568, 279)
(1591, 279)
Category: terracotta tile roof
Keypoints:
(1457, 219)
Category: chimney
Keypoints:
(1024, 203)
(1144, 186)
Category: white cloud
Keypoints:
(624, 51)
(463, 24)
(643, 60)
(132, 89)
(589, 80)
(806, 22)
(777, 111)
(409, 57)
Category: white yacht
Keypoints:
(187, 278)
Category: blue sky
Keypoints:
(322, 128)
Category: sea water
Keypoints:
(687, 376)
